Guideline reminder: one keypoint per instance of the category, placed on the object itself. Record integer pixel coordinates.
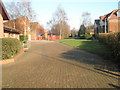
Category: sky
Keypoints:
(45, 9)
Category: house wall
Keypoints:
(19, 24)
(46, 35)
(97, 29)
(34, 31)
(11, 35)
(37, 29)
(113, 26)
(6, 34)
(1, 21)
(1, 26)
(102, 23)
(17, 36)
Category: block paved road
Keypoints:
(49, 64)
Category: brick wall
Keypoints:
(113, 26)
(36, 28)
(1, 26)
(19, 24)
(11, 35)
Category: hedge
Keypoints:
(10, 47)
(113, 41)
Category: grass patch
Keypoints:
(92, 46)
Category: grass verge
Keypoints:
(92, 46)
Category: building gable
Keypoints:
(3, 11)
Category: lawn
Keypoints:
(92, 46)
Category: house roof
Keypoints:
(11, 30)
(22, 18)
(102, 17)
(97, 21)
(4, 11)
(111, 15)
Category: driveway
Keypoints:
(49, 64)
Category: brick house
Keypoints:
(108, 23)
(114, 21)
(11, 32)
(6, 31)
(37, 31)
(22, 24)
(97, 26)
(3, 16)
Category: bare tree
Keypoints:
(86, 19)
(60, 23)
(21, 8)
(73, 32)
(50, 25)
(90, 28)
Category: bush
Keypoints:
(23, 37)
(88, 36)
(82, 36)
(10, 47)
(113, 41)
(95, 36)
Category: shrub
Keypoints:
(23, 37)
(10, 46)
(95, 36)
(113, 41)
(88, 36)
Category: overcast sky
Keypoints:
(74, 9)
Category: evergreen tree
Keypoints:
(82, 30)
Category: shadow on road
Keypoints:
(88, 58)
(115, 86)
(56, 59)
